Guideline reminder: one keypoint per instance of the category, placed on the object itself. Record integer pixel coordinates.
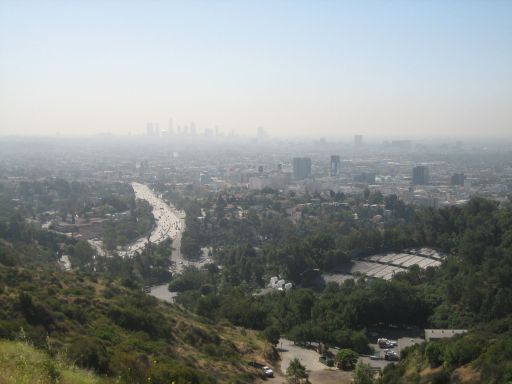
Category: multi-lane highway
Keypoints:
(170, 223)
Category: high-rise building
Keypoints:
(149, 129)
(171, 127)
(458, 179)
(335, 163)
(301, 167)
(420, 175)
(157, 130)
(204, 178)
(358, 140)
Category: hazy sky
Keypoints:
(317, 68)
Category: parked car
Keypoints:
(385, 343)
(391, 356)
(267, 371)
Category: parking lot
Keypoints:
(321, 374)
(403, 337)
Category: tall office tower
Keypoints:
(335, 163)
(301, 167)
(358, 140)
(420, 175)
(193, 128)
(149, 129)
(157, 130)
(458, 179)
(171, 127)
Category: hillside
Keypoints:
(97, 317)
(21, 363)
(117, 330)
(483, 355)
(472, 290)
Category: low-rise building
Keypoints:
(436, 334)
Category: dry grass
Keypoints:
(21, 363)
(466, 375)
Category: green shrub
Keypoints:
(89, 353)
(434, 352)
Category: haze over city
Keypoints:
(256, 191)
(303, 69)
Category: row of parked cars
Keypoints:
(388, 345)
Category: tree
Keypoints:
(302, 333)
(190, 246)
(271, 335)
(363, 374)
(82, 254)
(434, 352)
(296, 372)
(347, 358)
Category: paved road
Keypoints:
(318, 372)
(308, 357)
(170, 223)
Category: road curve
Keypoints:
(170, 223)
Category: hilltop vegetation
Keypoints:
(21, 363)
(484, 355)
(98, 318)
(471, 289)
(116, 330)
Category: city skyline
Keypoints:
(304, 69)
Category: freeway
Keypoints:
(170, 223)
